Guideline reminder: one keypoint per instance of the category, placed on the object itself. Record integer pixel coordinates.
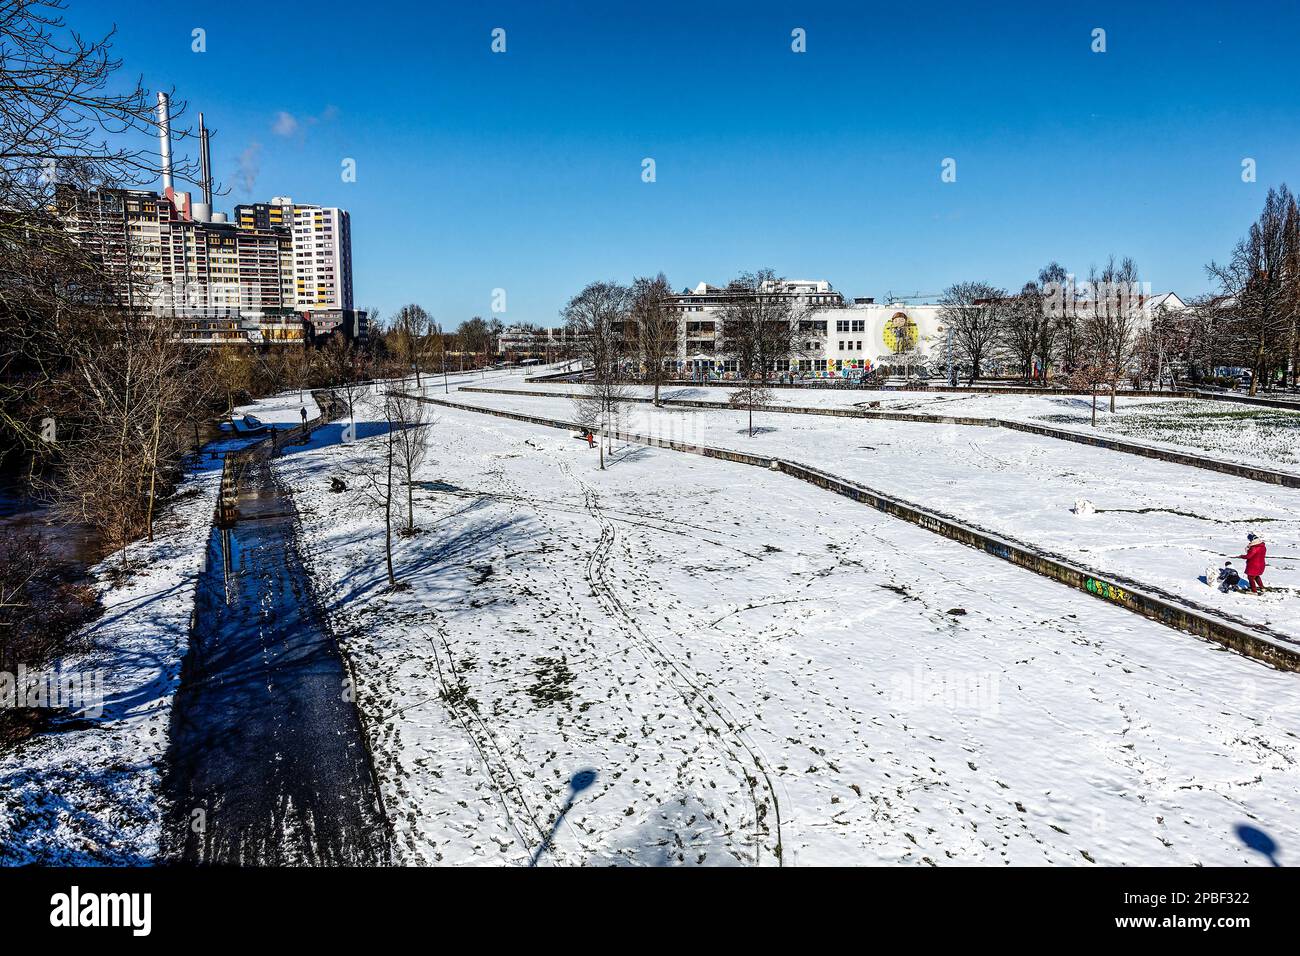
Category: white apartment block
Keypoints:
(841, 336)
(844, 339)
(322, 258)
(322, 249)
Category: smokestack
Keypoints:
(165, 141)
(205, 162)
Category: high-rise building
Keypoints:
(223, 282)
(322, 249)
(280, 272)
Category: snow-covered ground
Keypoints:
(89, 794)
(1156, 523)
(1265, 437)
(283, 409)
(755, 669)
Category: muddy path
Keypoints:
(267, 762)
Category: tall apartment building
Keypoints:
(224, 283)
(280, 272)
(322, 248)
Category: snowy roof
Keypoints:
(1169, 301)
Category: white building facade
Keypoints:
(843, 339)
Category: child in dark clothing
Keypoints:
(1229, 579)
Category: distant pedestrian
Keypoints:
(303, 412)
(591, 439)
(1255, 564)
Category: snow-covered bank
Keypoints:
(89, 791)
(91, 794)
(1156, 523)
(283, 409)
(753, 667)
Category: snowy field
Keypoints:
(757, 672)
(1265, 437)
(1156, 523)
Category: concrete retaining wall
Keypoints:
(1256, 643)
(1163, 454)
(1291, 405)
(789, 410)
(1250, 472)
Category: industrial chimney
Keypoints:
(165, 141)
(205, 161)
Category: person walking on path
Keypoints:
(1255, 564)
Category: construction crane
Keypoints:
(889, 296)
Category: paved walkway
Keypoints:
(268, 763)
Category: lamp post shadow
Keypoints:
(579, 782)
(1259, 841)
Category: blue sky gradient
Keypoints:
(523, 170)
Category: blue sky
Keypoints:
(522, 170)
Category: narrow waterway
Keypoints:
(268, 763)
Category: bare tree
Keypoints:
(655, 328)
(1031, 326)
(344, 365)
(976, 314)
(410, 422)
(411, 329)
(129, 386)
(67, 122)
(1024, 316)
(596, 316)
(762, 330)
(475, 337)
(1114, 318)
(296, 362)
(1260, 285)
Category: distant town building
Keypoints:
(840, 336)
(523, 343)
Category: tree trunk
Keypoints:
(1258, 368)
(388, 515)
(153, 469)
(1094, 408)
(410, 499)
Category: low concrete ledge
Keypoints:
(1257, 643)
(1290, 405)
(1163, 454)
(1238, 470)
(852, 412)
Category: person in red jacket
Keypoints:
(1255, 553)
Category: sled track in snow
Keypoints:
(1256, 642)
(695, 698)
(493, 759)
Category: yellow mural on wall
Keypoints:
(900, 333)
